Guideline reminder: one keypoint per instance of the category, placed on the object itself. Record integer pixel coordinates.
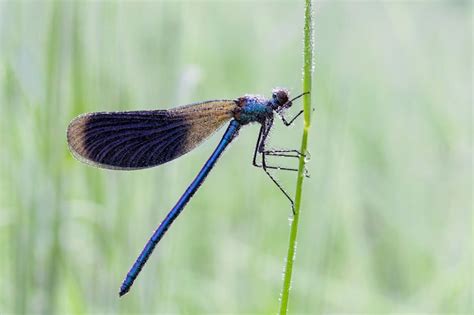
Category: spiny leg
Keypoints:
(265, 168)
(260, 148)
(297, 153)
(288, 123)
(279, 168)
(279, 152)
(275, 152)
(282, 153)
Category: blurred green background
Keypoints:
(387, 215)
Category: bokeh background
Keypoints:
(387, 215)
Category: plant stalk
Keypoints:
(307, 80)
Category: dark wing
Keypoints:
(140, 139)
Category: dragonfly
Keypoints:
(131, 140)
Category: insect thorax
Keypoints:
(253, 109)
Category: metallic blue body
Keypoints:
(132, 140)
(228, 136)
(248, 109)
(255, 109)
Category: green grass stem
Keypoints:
(307, 73)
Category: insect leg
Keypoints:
(288, 123)
(260, 148)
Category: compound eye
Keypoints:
(282, 98)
